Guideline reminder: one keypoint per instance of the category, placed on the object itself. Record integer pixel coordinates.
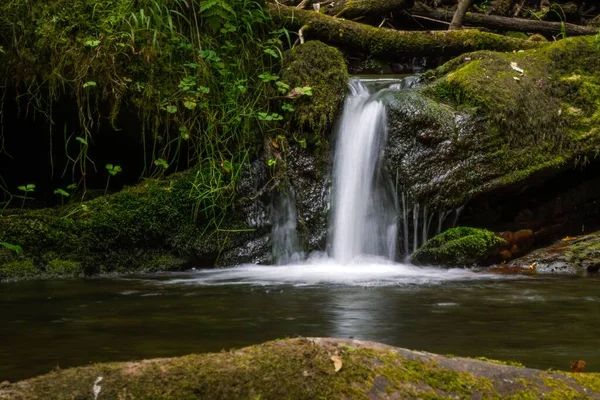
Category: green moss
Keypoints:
(301, 368)
(511, 363)
(459, 247)
(19, 269)
(141, 227)
(64, 268)
(390, 43)
(512, 127)
(322, 68)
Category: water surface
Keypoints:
(542, 322)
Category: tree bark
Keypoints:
(459, 15)
(389, 43)
(358, 8)
(507, 23)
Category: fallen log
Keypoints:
(358, 8)
(389, 43)
(499, 23)
(350, 9)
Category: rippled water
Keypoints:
(542, 322)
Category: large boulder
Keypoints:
(307, 369)
(490, 120)
(497, 136)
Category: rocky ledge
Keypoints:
(307, 368)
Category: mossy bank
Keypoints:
(307, 369)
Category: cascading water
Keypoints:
(285, 243)
(364, 218)
(365, 214)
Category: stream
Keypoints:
(542, 322)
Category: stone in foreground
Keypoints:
(307, 368)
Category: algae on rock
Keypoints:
(482, 125)
(461, 246)
(303, 368)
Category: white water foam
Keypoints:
(320, 270)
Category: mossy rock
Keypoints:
(64, 268)
(458, 247)
(323, 68)
(125, 232)
(18, 270)
(317, 368)
(569, 256)
(478, 125)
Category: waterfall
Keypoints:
(284, 237)
(364, 219)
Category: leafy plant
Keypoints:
(113, 170)
(29, 188)
(62, 193)
(12, 247)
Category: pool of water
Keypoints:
(542, 322)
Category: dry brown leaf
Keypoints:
(274, 143)
(337, 363)
(577, 366)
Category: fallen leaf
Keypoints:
(274, 143)
(516, 78)
(337, 363)
(577, 366)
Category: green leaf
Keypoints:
(12, 247)
(171, 109)
(27, 188)
(287, 107)
(113, 169)
(271, 52)
(72, 186)
(161, 163)
(190, 105)
(89, 84)
(92, 43)
(81, 140)
(61, 192)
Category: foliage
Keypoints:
(193, 72)
(12, 247)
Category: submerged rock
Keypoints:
(308, 368)
(459, 247)
(570, 256)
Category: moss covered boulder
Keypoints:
(323, 69)
(569, 256)
(307, 369)
(460, 246)
(495, 122)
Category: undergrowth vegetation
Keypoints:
(199, 75)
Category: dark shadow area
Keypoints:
(38, 151)
(566, 204)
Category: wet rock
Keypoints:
(569, 256)
(307, 174)
(459, 247)
(473, 136)
(303, 368)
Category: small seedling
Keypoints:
(62, 193)
(112, 171)
(29, 188)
